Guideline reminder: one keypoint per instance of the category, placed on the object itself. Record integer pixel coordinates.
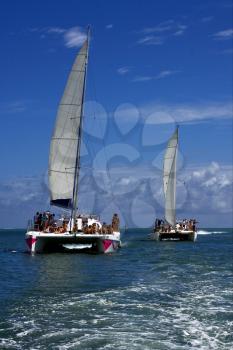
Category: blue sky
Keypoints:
(153, 64)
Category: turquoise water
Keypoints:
(149, 295)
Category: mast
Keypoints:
(77, 160)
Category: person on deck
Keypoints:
(110, 229)
(75, 227)
(115, 223)
(159, 223)
(36, 221)
(93, 228)
(194, 225)
(89, 229)
(43, 220)
(104, 228)
(40, 222)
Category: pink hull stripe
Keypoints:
(107, 243)
(110, 246)
(30, 241)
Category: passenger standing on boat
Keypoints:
(110, 229)
(75, 227)
(52, 219)
(93, 228)
(104, 228)
(43, 220)
(162, 226)
(36, 221)
(39, 221)
(115, 223)
(157, 224)
(47, 215)
(64, 226)
(184, 224)
(194, 225)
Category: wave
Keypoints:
(203, 232)
(117, 313)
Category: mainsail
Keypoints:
(169, 179)
(65, 143)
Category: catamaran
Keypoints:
(170, 228)
(75, 231)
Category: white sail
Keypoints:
(64, 143)
(169, 179)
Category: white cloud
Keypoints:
(74, 37)
(20, 199)
(205, 112)
(22, 190)
(227, 51)
(109, 26)
(142, 78)
(157, 35)
(165, 73)
(150, 40)
(201, 190)
(155, 113)
(14, 107)
(211, 189)
(161, 27)
(158, 113)
(180, 31)
(56, 30)
(207, 19)
(224, 34)
(161, 75)
(123, 70)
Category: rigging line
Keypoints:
(104, 144)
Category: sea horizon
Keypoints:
(131, 228)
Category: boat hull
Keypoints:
(177, 236)
(40, 242)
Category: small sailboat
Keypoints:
(73, 231)
(170, 228)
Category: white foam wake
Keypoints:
(202, 232)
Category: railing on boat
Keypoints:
(31, 226)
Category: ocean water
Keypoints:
(148, 295)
